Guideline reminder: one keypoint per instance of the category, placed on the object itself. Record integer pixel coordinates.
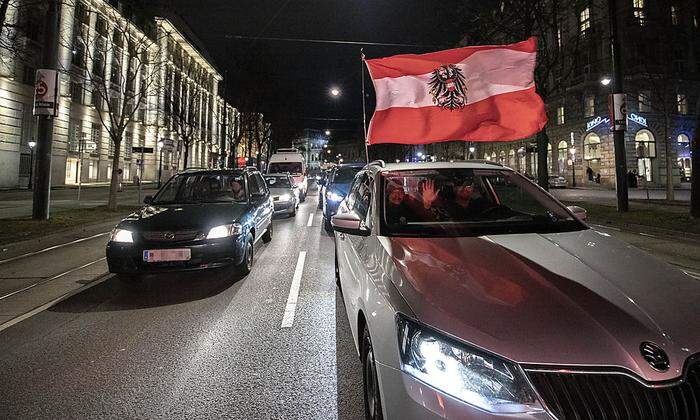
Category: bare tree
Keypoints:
(263, 133)
(21, 28)
(556, 23)
(118, 90)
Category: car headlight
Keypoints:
(331, 196)
(473, 376)
(224, 231)
(285, 197)
(122, 236)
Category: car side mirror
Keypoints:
(349, 223)
(580, 213)
(148, 199)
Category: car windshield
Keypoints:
(202, 188)
(345, 175)
(286, 167)
(469, 202)
(278, 181)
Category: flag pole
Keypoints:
(364, 105)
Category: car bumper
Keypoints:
(405, 397)
(284, 206)
(128, 258)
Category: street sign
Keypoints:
(139, 149)
(46, 93)
(168, 143)
(90, 146)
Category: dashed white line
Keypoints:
(646, 234)
(311, 219)
(290, 309)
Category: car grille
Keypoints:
(614, 396)
(170, 236)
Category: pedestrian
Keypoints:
(589, 173)
(597, 178)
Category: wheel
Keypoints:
(294, 211)
(247, 264)
(373, 400)
(302, 197)
(327, 225)
(267, 236)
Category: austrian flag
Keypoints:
(484, 93)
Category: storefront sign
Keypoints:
(638, 119)
(46, 93)
(590, 125)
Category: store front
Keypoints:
(685, 163)
(562, 155)
(592, 155)
(645, 147)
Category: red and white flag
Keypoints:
(484, 93)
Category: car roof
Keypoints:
(278, 174)
(228, 171)
(351, 165)
(380, 166)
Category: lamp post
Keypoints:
(472, 149)
(32, 145)
(160, 161)
(573, 166)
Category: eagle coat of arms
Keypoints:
(448, 86)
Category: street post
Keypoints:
(41, 196)
(573, 167)
(618, 113)
(32, 145)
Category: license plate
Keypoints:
(161, 255)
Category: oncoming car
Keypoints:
(198, 219)
(473, 293)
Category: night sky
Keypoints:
(290, 81)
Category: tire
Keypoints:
(373, 399)
(294, 211)
(337, 272)
(267, 236)
(327, 225)
(247, 264)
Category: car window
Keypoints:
(202, 188)
(345, 175)
(280, 181)
(256, 185)
(464, 202)
(284, 167)
(261, 183)
(360, 195)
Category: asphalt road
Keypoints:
(197, 345)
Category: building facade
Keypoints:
(151, 70)
(661, 65)
(313, 143)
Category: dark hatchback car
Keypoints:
(198, 219)
(336, 188)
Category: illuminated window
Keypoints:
(639, 12)
(674, 15)
(560, 116)
(682, 101)
(591, 147)
(584, 21)
(562, 155)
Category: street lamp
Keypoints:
(160, 161)
(605, 81)
(472, 149)
(32, 145)
(573, 166)
(335, 92)
(328, 132)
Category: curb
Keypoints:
(41, 308)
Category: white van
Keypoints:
(290, 161)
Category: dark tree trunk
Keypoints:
(187, 156)
(114, 181)
(542, 166)
(3, 12)
(695, 175)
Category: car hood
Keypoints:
(184, 216)
(341, 189)
(575, 299)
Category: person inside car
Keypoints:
(237, 190)
(461, 200)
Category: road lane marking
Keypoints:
(692, 274)
(646, 234)
(51, 248)
(57, 276)
(606, 227)
(290, 309)
(311, 220)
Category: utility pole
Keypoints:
(618, 113)
(42, 187)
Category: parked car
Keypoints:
(336, 188)
(285, 195)
(198, 219)
(291, 161)
(557, 181)
(472, 293)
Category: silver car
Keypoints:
(557, 181)
(472, 293)
(284, 193)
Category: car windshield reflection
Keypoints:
(202, 188)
